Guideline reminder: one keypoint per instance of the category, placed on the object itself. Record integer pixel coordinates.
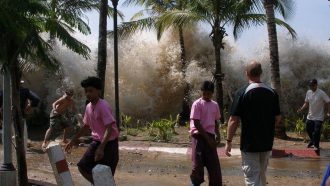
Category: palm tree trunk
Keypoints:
(218, 36)
(18, 124)
(185, 113)
(274, 57)
(102, 46)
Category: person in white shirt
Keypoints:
(315, 100)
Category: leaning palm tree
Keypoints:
(102, 43)
(284, 8)
(219, 14)
(148, 19)
(21, 25)
(105, 12)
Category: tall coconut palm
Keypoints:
(102, 43)
(219, 14)
(105, 11)
(148, 19)
(285, 8)
(21, 26)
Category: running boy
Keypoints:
(59, 117)
(204, 130)
(98, 117)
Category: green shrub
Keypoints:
(300, 126)
(163, 129)
(126, 121)
(326, 130)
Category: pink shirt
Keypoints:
(207, 113)
(98, 117)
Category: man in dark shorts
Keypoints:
(257, 106)
(99, 118)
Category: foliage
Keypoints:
(223, 130)
(326, 130)
(300, 126)
(127, 123)
(163, 129)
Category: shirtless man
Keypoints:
(59, 118)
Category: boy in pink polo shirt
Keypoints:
(204, 130)
(98, 117)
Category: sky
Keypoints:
(309, 20)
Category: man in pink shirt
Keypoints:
(99, 119)
(204, 130)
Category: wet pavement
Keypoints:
(143, 168)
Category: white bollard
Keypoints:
(102, 176)
(59, 165)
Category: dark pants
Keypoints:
(313, 128)
(203, 155)
(110, 158)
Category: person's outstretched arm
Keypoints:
(82, 131)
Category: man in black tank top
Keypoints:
(257, 107)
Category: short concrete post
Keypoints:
(59, 165)
(8, 178)
(102, 176)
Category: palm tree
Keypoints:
(219, 14)
(148, 19)
(105, 11)
(21, 23)
(102, 44)
(284, 7)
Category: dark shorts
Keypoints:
(110, 158)
(204, 156)
(59, 121)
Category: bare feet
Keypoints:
(44, 145)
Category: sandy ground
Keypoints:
(142, 168)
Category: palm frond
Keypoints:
(119, 13)
(245, 21)
(285, 7)
(241, 22)
(287, 27)
(180, 18)
(127, 29)
(60, 31)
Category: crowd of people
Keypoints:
(256, 107)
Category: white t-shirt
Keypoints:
(316, 101)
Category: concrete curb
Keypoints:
(236, 152)
(42, 183)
